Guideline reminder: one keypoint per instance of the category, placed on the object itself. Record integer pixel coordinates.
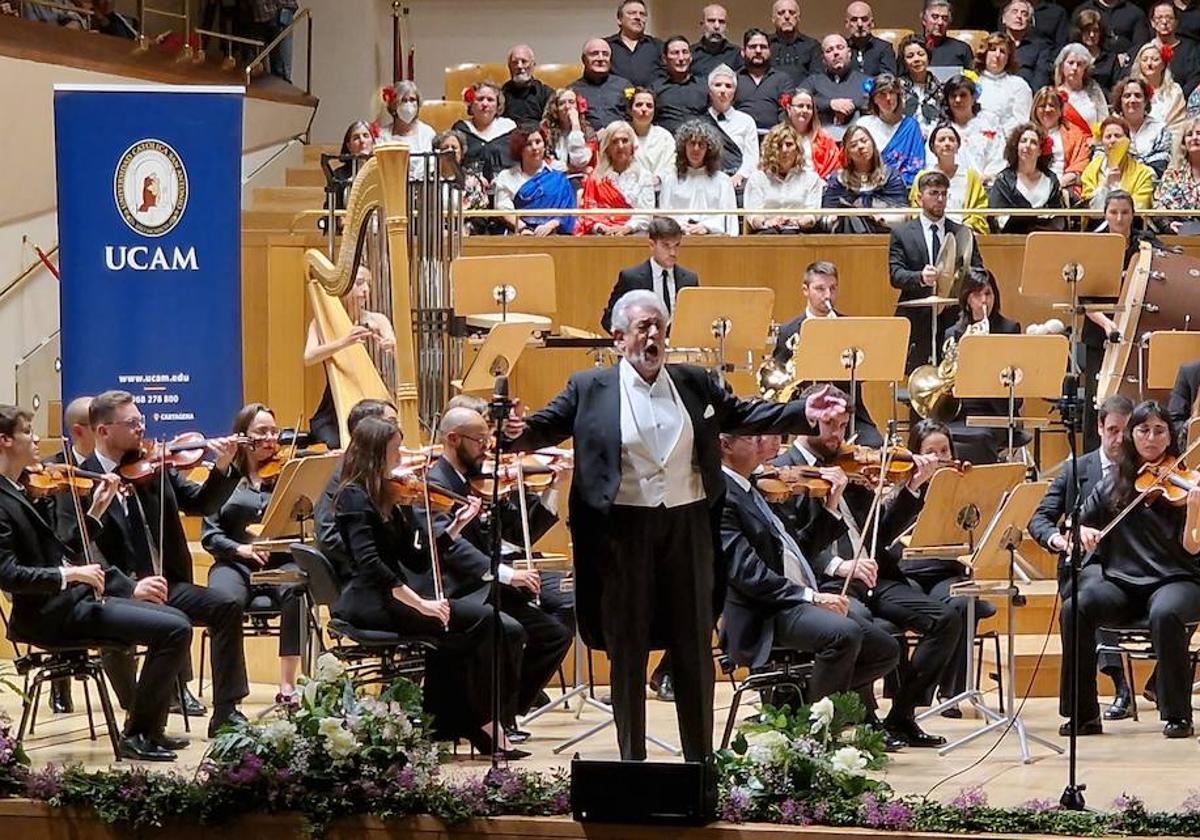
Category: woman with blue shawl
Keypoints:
(532, 184)
(899, 138)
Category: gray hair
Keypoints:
(405, 87)
(722, 71)
(638, 297)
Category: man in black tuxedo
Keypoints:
(943, 50)
(912, 251)
(645, 511)
(143, 536)
(820, 295)
(660, 274)
(1048, 523)
(59, 600)
(774, 598)
(538, 614)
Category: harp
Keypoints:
(372, 264)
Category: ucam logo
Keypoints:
(144, 258)
(150, 186)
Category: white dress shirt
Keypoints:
(656, 152)
(927, 227)
(666, 290)
(700, 190)
(1007, 97)
(507, 184)
(741, 129)
(800, 188)
(657, 444)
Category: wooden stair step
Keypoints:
(281, 198)
(313, 151)
(305, 176)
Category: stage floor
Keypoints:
(1130, 757)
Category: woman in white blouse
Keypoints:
(655, 145)
(570, 139)
(1150, 140)
(1167, 104)
(982, 146)
(618, 183)
(698, 182)
(1085, 105)
(1004, 94)
(403, 103)
(783, 180)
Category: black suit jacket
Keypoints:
(468, 559)
(757, 587)
(31, 559)
(1183, 395)
(639, 277)
(1053, 508)
(116, 538)
(589, 410)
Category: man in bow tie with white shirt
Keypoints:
(660, 274)
(645, 510)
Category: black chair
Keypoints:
(1132, 643)
(371, 656)
(784, 669)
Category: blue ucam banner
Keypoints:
(149, 228)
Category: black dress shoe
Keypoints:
(142, 748)
(194, 707)
(665, 689)
(1151, 695)
(1120, 707)
(913, 735)
(891, 743)
(61, 702)
(481, 745)
(1178, 728)
(169, 742)
(542, 699)
(219, 720)
(1088, 727)
(952, 712)
(517, 736)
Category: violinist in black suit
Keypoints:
(660, 274)
(912, 251)
(645, 508)
(59, 600)
(979, 314)
(539, 628)
(774, 597)
(820, 295)
(143, 536)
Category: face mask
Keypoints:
(407, 111)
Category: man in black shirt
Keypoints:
(759, 86)
(604, 91)
(868, 54)
(1181, 54)
(680, 95)
(1050, 24)
(524, 96)
(1123, 19)
(1189, 19)
(795, 53)
(635, 55)
(943, 51)
(1035, 57)
(837, 88)
(714, 49)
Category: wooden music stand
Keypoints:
(1168, 352)
(1011, 366)
(299, 486)
(868, 349)
(991, 560)
(497, 356)
(958, 506)
(516, 287)
(732, 321)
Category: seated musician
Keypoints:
(59, 600)
(1182, 405)
(1145, 570)
(820, 295)
(660, 274)
(367, 326)
(382, 540)
(979, 314)
(143, 536)
(527, 607)
(226, 537)
(912, 252)
(1049, 521)
(773, 599)
(878, 583)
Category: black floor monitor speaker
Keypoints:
(643, 792)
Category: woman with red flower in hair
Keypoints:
(1166, 96)
(618, 183)
(1071, 149)
(486, 131)
(403, 103)
(1027, 182)
(570, 139)
(821, 152)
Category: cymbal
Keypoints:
(932, 300)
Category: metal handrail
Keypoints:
(25, 274)
(274, 156)
(143, 42)
(303, 14)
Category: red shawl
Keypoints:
(601, 193)
(826, 154)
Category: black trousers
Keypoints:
(850, 651)
(659, 583)
(546, 642)
(1170, 606)
(233, 582)
(165, 632)
(935, 580)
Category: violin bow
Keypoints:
(523, 505)
(435, 563)
(69, 460)
(871, 523)
(162, 507)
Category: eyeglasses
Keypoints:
(473, 439)
(131, 423)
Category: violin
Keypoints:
(182, 453)
(1170, 484)
(270, 469)
(43, 480)
(865, 462)
(408, 486)
(778, 484)
(537, 468)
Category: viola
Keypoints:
(183, 452)
(1171, 485)
(48, 479)
(778, 484)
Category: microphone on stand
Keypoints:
(501, 404)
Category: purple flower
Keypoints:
(561, 803)
(969, 799)
(1126, 802)
(1191, 805)
(871, 815)
(1040, 806)
(818, 813)
(44, 784)
(407, 779)
(737, 803)
(897, 816)
(793, 812)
